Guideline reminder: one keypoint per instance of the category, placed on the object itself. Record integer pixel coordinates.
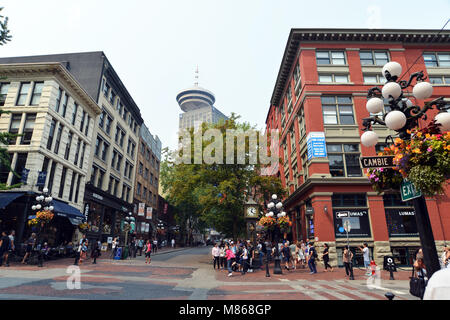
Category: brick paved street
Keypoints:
(188, 274)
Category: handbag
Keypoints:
(417, 285)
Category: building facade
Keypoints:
(50, 110)
(108, 195)
(146, 187)
(320, 96)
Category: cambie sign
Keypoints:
(378, 162)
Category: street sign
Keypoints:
(347, 226)
(377, 162)
(342, 214)
(316, 145)
(409, 191)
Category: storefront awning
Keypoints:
(8, 197)
(65, 210)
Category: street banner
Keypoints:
(141, 211)
(24, 177)
(149, 213)
(42, 176)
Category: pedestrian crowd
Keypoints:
(244, 256)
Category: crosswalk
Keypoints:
(336, 290)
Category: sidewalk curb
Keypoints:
(169, 251)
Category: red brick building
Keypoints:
(321, 89)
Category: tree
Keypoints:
(4, 31)
(215, 192)
(5, 137)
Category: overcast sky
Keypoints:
(155, 46)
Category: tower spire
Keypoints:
(196, 77)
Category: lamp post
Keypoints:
(402, 117)
(43, 202)
(275, 208)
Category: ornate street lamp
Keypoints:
(43, 203)
(403, 116)
(275, 208)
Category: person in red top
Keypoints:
(230, 256)
(148, 251)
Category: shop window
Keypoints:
(352, 208)
(400, 217)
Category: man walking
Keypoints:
(312, 258)
(366, 256)
(155, 245)
(215, 252)
(173, 243)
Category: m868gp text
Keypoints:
(244, 309)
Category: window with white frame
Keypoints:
(344, 160)
(330, 57)
(337, 110)
(437, 59)
(373, 57)
(439, 79)
(333, 78)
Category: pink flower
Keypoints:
(429, 149)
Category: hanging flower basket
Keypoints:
(425, 160)
(268, 223)
(83, 227)
(285, 224)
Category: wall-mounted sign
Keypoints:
(86, 211)
(309, 210)
(316, 144)
(97, 196)
(408, 191)
(141, 210)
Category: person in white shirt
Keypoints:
(173, 243)
(155, 245)
(216, 254)
(365, 251)
(438, 287)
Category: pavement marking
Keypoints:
(311, 293)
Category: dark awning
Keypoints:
(64, 210)
(8, 197)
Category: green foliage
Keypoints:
(4, 31)
(214, 195)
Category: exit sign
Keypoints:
(409, 191)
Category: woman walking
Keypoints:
(293, 249)
(347, 259)
(230, 257)
(148, 251)
(84, 248)
(215, 252)
(30, 245)
(326, 258)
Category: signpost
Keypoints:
(377, 162)
(409, 191)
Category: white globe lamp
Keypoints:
(270, 214)
(394, 68)
(375, 105)
(369, 139)
(33, 208)
(395, 120)
(38, 207)
(443, 119)
(391, 89)
(279, 205)
(51, 208)
(45, 190)
(423, 90)
(270, 205)
(274, 197)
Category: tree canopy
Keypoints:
(215, 193)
